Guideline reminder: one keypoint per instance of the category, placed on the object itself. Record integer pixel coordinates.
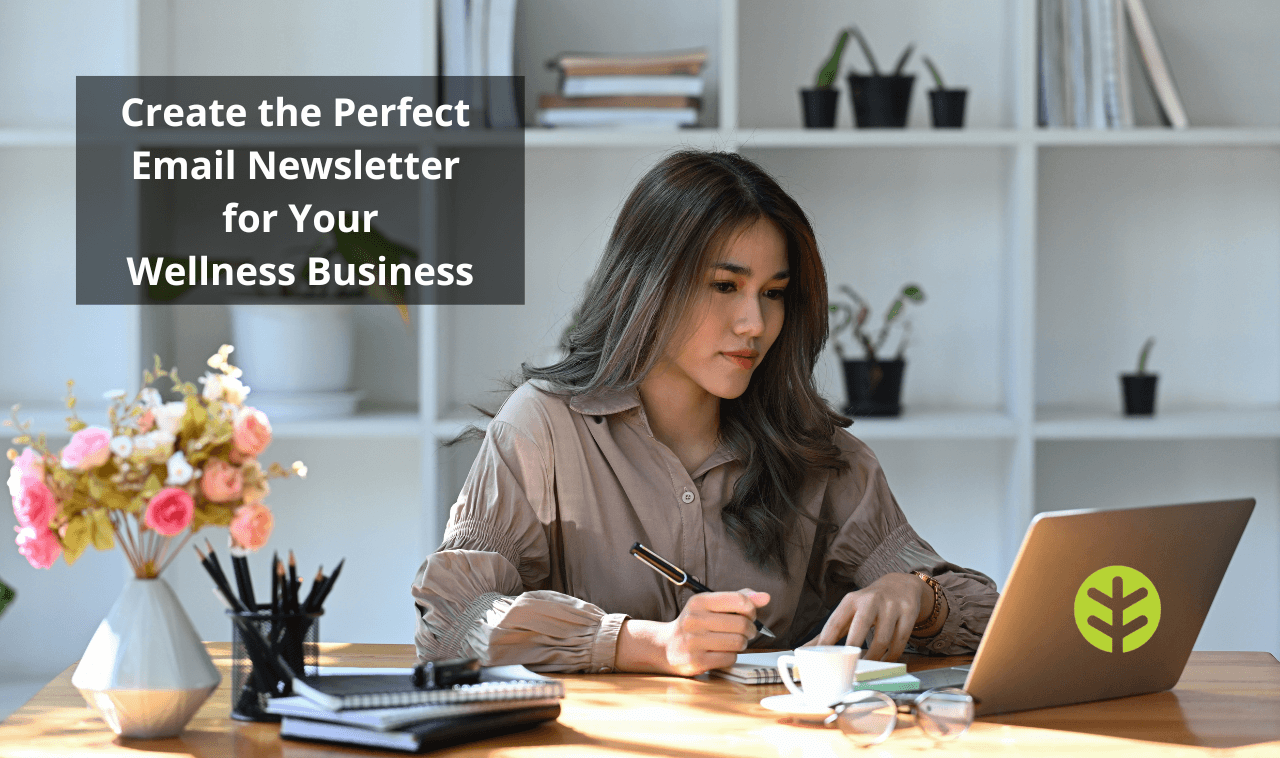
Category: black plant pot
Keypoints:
(873, 387)
(819, 107)
(1139, 394)
(948, 107)
(880, 101)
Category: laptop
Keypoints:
(1100, 604)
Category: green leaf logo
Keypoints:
(1117, 609)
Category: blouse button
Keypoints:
(687, 497)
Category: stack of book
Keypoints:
(386, 710)
(658, 90)
(1084, 71)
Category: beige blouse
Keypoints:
(535, 569)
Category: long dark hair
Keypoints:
(680, 214)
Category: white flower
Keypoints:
(169, 417)
(156, 444)
(180, 472)
(122, 445)
(224, 387)
(113, 395)
(300, 469)
(15, 482)
(150, 397)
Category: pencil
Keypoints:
(328, 586)
(275, 583)
(315, 589)
(293, 582)
(219, 581)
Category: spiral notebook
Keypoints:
(352, 691)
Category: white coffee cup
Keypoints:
(827, 671)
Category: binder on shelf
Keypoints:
(504, 102)
(1157, 70)
(1083, 65)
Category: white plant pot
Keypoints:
(145, 670)
(296, 358)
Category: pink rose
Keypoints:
(221, 481)
(27, 465)
(252, 432)
(88, 449)
(170, 510)
(39, 546)
(35, 505)
(251, 526)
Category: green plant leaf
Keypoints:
(827, 74)
(937, 75)
(76, 537)
(103, 534)
(866, 50)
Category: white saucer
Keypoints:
(795, 704)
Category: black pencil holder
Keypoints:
(295, 637)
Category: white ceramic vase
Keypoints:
(146, 670)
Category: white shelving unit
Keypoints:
(1047, 256)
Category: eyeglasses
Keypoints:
(868, 717)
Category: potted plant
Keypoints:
(303, 346)
(873, 385)
(946, 105)
(1140, 388)
(819, 103)
(880, 100)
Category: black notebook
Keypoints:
(428, 735)
(349, 691)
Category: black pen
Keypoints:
(681, 578)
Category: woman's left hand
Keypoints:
(892, 604)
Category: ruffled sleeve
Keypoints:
(873, 538)
(484, 593)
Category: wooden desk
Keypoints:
(1224, 700)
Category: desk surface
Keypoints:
(1224, 700)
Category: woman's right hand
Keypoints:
(710, 631)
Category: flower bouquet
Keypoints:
(161, 469)
(158, 471)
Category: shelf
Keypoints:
(1157, 137)
(373, 423)
(764, 138)
(37, 137)
(584, 137)
(1247, 422)
(936, 424)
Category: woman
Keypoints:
(685, 417)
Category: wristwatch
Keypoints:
(937, 602)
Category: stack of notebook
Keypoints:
(386, 710)
(659, 90)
